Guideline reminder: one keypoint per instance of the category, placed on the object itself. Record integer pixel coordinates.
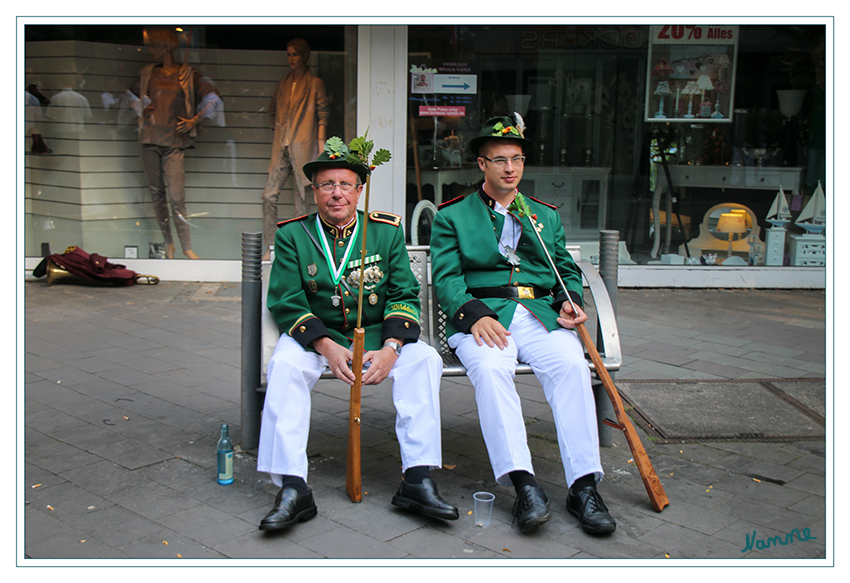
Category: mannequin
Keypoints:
(35, 117)
(299, 117)
(172, 100)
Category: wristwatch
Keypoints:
(394, 345)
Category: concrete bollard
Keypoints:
(252, 285)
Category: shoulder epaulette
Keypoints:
(551, 206)
(282, 223)
(450, 202)
(383, 217)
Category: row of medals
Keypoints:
(371, 276)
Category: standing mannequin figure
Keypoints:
(172, 100)
(299, 116)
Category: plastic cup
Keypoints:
(483, 508)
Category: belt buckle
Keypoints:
(525, 292)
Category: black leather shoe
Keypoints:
(290, 507)
(531, 508)
(424, 499)
(586, 504)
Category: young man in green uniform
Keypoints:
(313, 294)
(493, 280)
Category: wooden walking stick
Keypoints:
(647, 473)
(359, 150)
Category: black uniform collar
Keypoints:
(342, 232)
(487, 199)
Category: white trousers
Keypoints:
(292, 374)
(557, 359)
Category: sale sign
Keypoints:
(694, 34)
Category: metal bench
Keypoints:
(260, 332)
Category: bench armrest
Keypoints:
(606, 318)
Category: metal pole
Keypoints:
(252, 285)
(608, 265)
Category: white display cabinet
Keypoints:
(580, 193)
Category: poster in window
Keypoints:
(691, 73)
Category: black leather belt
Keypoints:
(522, 292)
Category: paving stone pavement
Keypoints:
(125, 389)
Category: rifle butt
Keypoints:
(353, 482)
(653, 486)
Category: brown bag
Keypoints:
(89, 267)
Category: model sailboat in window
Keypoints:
(779, 213)
(813, 216)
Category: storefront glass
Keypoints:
(590, 96)
(593, 100)
(85, 181)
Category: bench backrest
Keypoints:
(433, 320)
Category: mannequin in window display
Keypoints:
(299, 116)
(34, 115)
(69, 109)
(172, 100)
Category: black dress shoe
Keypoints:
(586, 504)
(531, 508)
(290, 507)
(424, 499)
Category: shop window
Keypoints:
(85, 181)
(739, 109)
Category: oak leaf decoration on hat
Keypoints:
(336, 148)
(500, 128)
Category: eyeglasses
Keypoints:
(328, 187)
(502, 162)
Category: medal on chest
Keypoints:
(509, 240)
(372, 275)
(510, 255)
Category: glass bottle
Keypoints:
(224, 455)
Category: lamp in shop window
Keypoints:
(705, 84)
(748, 220)
(732, 224)
(690, 90)
(662, 89)
(719, 87)
(721, 61)
(662, 67)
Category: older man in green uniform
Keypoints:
(492, 278)
(313, 294)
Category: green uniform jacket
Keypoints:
(301, 284)
(465, 255)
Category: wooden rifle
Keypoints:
(647, 473)
(353, 462)
(359, 150)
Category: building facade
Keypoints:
(729, 119)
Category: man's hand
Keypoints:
(338, 358)
(491, 331)
(381, 363)
(567, 319)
